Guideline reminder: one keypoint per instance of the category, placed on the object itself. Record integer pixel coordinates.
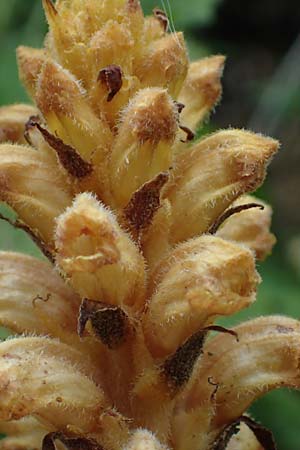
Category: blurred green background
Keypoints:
(261, 92)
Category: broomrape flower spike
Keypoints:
(150, 237)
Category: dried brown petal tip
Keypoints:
(223, 439)
(109, 323)
(244, 440)
(12, 122)
(180, 106)
(30, 125)
(262, 434)
(67, 155)
(70, 443)
(34, 234)
(162, 17)
(230, 212)
(144, 203)
(189, 133)
(49, 7)
(221, 329)
(250, 227)
(111, 76)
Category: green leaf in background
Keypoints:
(21, 22)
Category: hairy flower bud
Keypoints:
(29, 301)
(30, 63)
(198, 281)
(143, 146)
(265, 357)
(213, 173)
(165, 64)
(61, 100)
(68, 396)
(31, 183)
(98, 257)
(201, 89)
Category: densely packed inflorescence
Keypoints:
(150, 237)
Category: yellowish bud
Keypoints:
(250, 227)
(62, 101)
(165, 64)
(98, 257)
(30, 62)
(29, 300)
(231, 375)
(31, 183)
(155, 27)
(213, 173)
(266, 357)
(66, 39)
(199, 280)
(112, 46)
(41, 376)
(12, 122)
(64, 105)
(143, 146)
(201, 90)
(77, 31)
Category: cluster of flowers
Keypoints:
(150, 236)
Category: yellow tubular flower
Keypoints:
(150, 237)
(199, 280)
(201, 89)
